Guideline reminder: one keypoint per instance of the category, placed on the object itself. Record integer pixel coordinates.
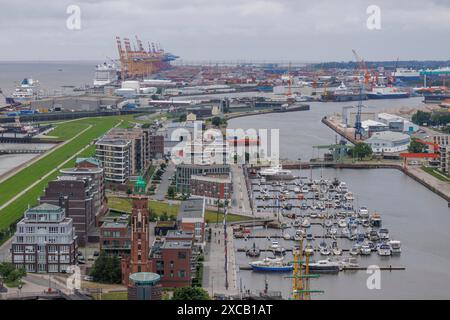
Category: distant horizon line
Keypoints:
(212, 61)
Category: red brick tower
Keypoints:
(138, 261)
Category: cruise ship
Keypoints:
(27, 90)
(105, 74)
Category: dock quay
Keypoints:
(385, 268)
(345, 133)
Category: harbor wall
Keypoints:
(339, 131)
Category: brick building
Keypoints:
(172, 260)
(76, 195)
(156, 146)
(212, 187)
(115, 238)
(191, 218)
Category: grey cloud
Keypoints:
(227, 29)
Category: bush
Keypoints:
(190, 293)
(107, 269)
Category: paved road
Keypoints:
(5, 254)
(161, 191)
(214, 264)
(440, 185)
(240, 203)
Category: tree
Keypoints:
(421, 118)
(190, 293)
(10, 274)
(361, 150)
(182, 117)
(416, 146)
(107, 269)
(216, 121)
(171, 192)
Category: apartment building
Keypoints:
(114, 156)
(45, 240)
(76, 195)
(191, 218)
(212, 187)
(184, 172)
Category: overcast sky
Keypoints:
(313, 30)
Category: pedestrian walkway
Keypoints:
(214, 275)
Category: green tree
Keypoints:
(190, 293)
(10, 274)
(182, 117)
(416, 146)
(171, 192)
(361, 150)
(107, 269)
(216, 121)
(421, 118)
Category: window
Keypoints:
(181, 255)
(182, 273)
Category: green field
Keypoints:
(435, 173)
(117, 295)
(158, 207)
(63, 131)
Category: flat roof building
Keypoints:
(45, 240)
(388, 142)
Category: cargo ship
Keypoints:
(387, 93)
(405, 74)
(343, 93)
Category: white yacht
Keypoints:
(383, 234)
(384, 250)
(306, 223)
(276, 173)
(365, 250)
(342, 223)
(363, 212)
(305, 189)
(395, 246)
(324, 266)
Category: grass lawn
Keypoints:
(35, 172)
(435, 173)
(158, 207)
(119, 295)
(14, 284)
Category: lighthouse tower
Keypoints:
(138, 261)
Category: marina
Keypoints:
(404, 221)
